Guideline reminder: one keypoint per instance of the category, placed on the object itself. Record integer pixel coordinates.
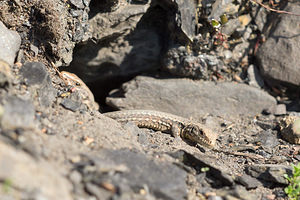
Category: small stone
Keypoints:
(244, 19)
(34, 73)
(280, 109)
(248, 181)
(269, 172)
(10, 42)
(289, 128)
(254, 77)
(75, 177)
(5, 74)
(17, 114)
(71, 104)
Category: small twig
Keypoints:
(274, 10)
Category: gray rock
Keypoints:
(35, 74)
(248, 181)
(17, 114)
(279, 55)
(198, 161)
(268, 140)
(260, 17)
(71, 104)
(219, 8)
(135, 170)
(29, 175)
(137, 53)
(280, 109)
(269, 172)
(184, 16)
(191, 98)
(10, 42)
(254, 77)
(5, 75)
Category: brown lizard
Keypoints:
(85, 93)
(165, 122)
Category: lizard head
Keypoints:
(199, 134)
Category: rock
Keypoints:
(134, 170)
(222, 6)
(35, 74)
(51, 24)
(235, 193)
(17, 114)
(268, 140)
(280, 109)
(5, 74)
(279, 55)
(248, 181)
(10, 42)
(260, 17)
(178, 62)
(270, 173)
(254, 77)
(71, 104)
(191, 98)
(290, 129)
(27, 176)
(182, 13)
(198, 161)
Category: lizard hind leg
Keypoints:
(175, 130)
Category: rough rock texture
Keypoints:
(9, 44)
(36, 76)
(17, 175)
(134, 169)
(17, 114)
(279, 55)
(131, 38)
(52, 25)
(191, 98)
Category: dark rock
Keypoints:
(199, 162)
(177, 61)
(279, 55)
(248, 181)
(36, 75)
(241, 193)
(191, 98)
(138, 53)
(10, 42)
(135, 170)
(17, 114)
(267, 139)
(184, 15)
(71, 104)
(269, 172)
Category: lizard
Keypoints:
(160, 121)
(85, 93)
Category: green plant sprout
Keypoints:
(293, 189)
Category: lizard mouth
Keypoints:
(199, 135)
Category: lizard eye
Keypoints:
(77, 83)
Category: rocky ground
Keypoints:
(241, 80)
